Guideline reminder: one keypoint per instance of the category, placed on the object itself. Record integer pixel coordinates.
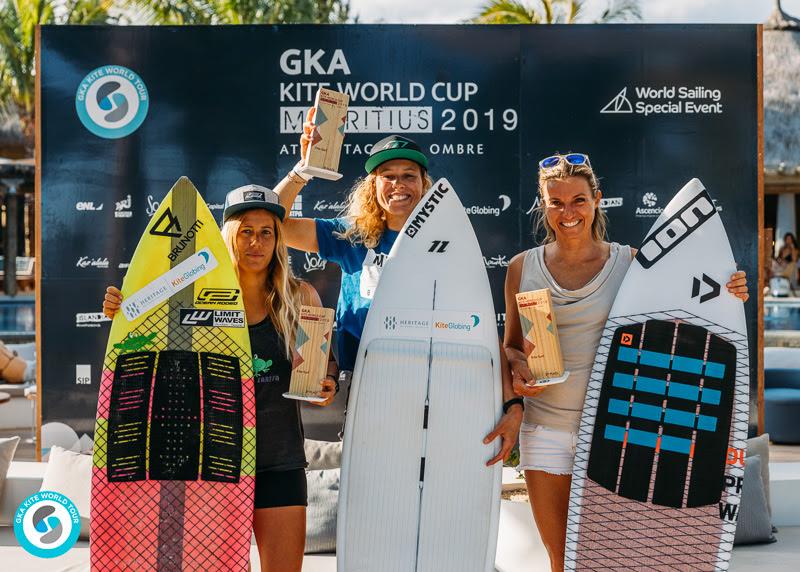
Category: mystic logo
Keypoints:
(166, 225)
(505, 202)
(87, 262)
(254, 196)
(112, 101)
(499, 261)
(83, 374)
(123, 208)
(329, 206)
(88, 206)
(212, 318)
(650, 210)
(314, 262)
(90, 319)
(426, 211)
(47, 524)
(666, 100)
(219, 296)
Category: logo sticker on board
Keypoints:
(112, 101)
(47, 524)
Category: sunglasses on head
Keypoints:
(571, 158)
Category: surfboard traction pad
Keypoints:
(163, 508)
(687, 531)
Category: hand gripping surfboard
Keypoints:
(174, 449)
(658, 469)
(415, 492)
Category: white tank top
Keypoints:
(580, 317)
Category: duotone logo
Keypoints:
(112, 101)
(47, 524)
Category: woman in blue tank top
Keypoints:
(272, 297)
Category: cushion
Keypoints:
(753, 524)
(70, 474)
(760, 446)
(323, 454)
(8, 446)
(323, 497)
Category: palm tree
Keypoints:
(553, 12)
(237, 11)
(18, 21)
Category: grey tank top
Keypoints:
(580, 317)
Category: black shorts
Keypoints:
(281, 488)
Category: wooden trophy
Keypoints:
(312, 346)
(540, 337)
(322, 159)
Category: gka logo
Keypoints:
(47, 524)
(88, 206)
(112, 101)
(314, 262)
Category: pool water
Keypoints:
(782, 315)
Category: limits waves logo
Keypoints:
(47, 524)
(112, 101)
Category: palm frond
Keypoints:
(621, 11)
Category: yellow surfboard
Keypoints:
(174, 455)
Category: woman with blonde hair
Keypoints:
(583, 272)
(376, 210)
(272, 296)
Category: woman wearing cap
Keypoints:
(583, 273)
(253, 233)
(377, 208)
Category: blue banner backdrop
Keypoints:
(652, 105)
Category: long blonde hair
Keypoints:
(283, 289)
(367, 219)
(563, 170)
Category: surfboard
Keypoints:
(659, 463)
(415, 492)
(174, 449)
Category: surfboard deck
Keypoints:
(415, 492)
(174, 449)
(657, 476)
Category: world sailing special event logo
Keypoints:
(666, 100)
(112, 101)
(47, 524)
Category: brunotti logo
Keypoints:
(666, 100)
(649, 210)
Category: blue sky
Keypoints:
(653, 11)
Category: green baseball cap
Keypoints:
(395, 147)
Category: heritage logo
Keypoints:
(667, 100)
(112, 101)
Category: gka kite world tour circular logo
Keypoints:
(47, 524)
(112, 101)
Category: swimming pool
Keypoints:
(782, 314)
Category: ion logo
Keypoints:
(47, 524)
(112, 101)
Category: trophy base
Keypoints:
(299, 397)
(320, 172)
(550, 380)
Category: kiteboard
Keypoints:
(659, 464)
(415, 492)
(174, 449)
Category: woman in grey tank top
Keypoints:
(583, 273)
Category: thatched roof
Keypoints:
(782, 100)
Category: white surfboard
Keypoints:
(659, 463)
(415, 492)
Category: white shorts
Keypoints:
(545, 449)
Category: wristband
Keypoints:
(511, 402)
(335, 380)
(297, 170)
